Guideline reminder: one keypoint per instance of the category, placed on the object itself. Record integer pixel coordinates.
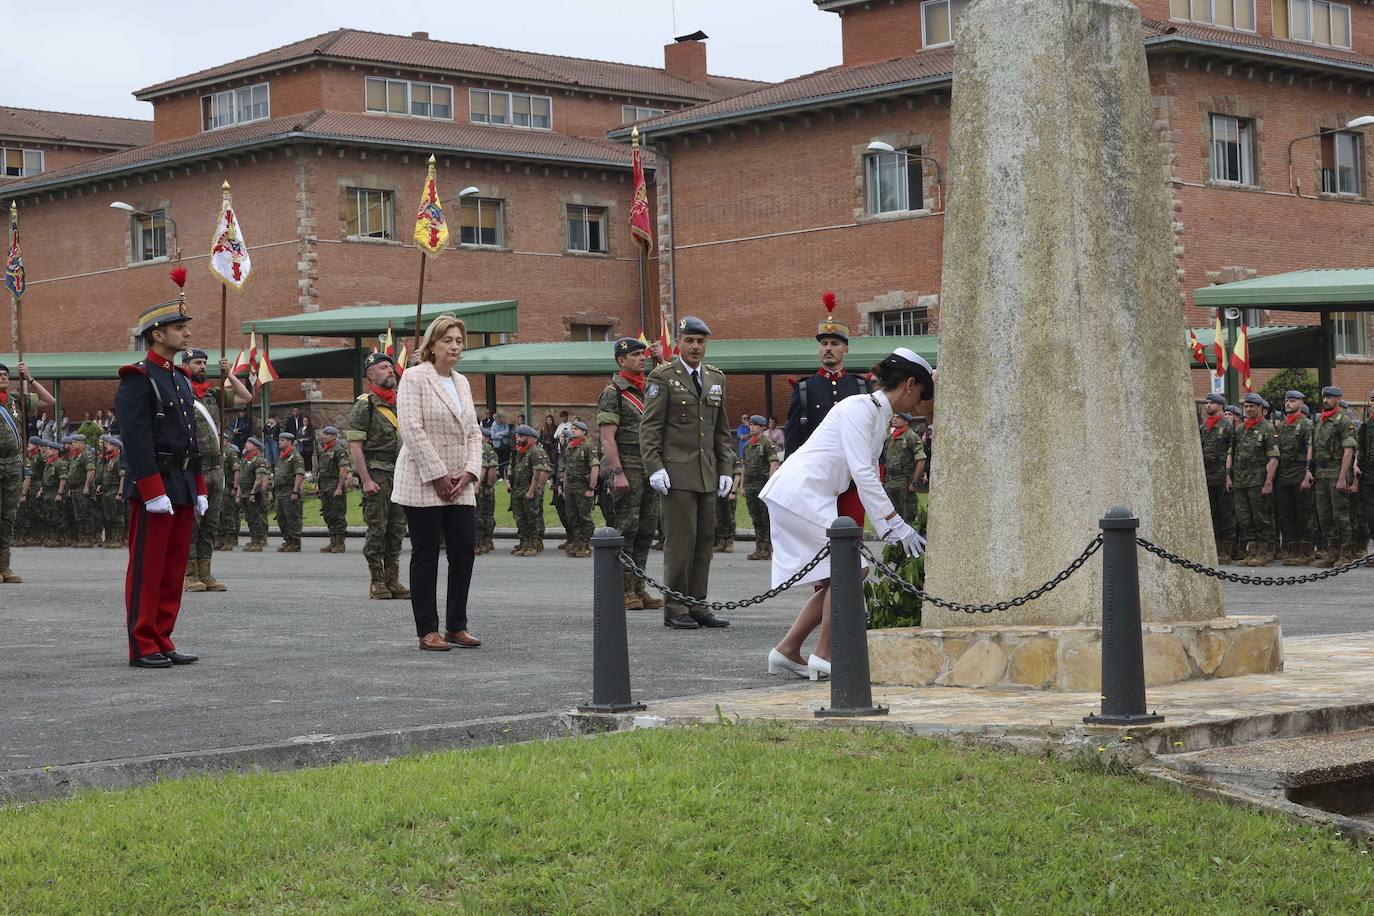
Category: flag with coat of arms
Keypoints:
(14, 263)
(229, 259)
(431, 229)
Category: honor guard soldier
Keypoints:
(255, 478)
(903, 460)
(374, 441)
(727, 507)
(579, 472)
(634, 507)
(230, 512)
(1332, 468)
(813, 396)
(486, 496)
(12, 448)
(1217, 437)
(332, 473)
(1291, 486)
(529, 474)
(761, 459)
(1254, 465)
(164, 485)
(287, 480)
(689, 450)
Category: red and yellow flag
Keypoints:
(402, 361)
(266, 371)
(431, 230)
(641, 228)
(247, 360)
(386, 342)
(1219, 346)
(1240, 359)
(1195, 347)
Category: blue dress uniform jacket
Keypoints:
(821, 395)
(157, 419)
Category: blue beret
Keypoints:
(255, 442)
(5, 369)
(1331, 391)
(68, 439)
(1216, 399)
(1344, 405)
(692, 325)
(48, 443)
(233, 448)
(330, 431)
(116, 442)
(193, 353)
(627, 345)
(906, 416)
(1295, 394)
(580, 424)
(1254, 398)
(1232, 408)
(377, 357)
(1306, 410)
(523, 430)
(35, 440)
(291, 436)
(758, 420)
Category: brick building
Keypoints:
(324, 143)
(769, 197)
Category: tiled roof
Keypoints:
(76, 129)
(415, 134)
(1155, 31)
(446, 56)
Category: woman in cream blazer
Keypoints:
(435, 482)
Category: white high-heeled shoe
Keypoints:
(817, 668)
(778, 663)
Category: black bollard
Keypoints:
(610, 649)
(1123, 651)
(851, 694)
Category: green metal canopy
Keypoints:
(1316, 290)
(494, 317)
(295, 362)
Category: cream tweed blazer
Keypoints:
(438, 436)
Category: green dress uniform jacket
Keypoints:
(687, 434)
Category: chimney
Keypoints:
(685, 58)
(421, 35)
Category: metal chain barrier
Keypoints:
(1243, 579)
(895, 578)
(628, 562)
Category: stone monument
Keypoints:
(1063, 374)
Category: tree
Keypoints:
(1298, 379)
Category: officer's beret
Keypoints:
(1232, 408)
(284, 435)
(906, 416)
(758, 420)
(233, 448)
(5, 369)
(692, 325)
(68, 439)
(330, 431)
(1216, 399)
(523, 430)
(104, 437)
(255, 442)
(1255, 398)
(1295, 394)
(1332, 391)
(35, 440)
(48, 443)
(627, 345)
(580, 424)
(116, 442)
(377, 357)
(193, 353)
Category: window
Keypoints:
(405, 97)
(21, 163)
(586, 228)
(479, 222)
(235, 106)
(368, 213)
(589, 331)
(937, 21)
(1229, 14)
(902, 323)
(631, 113)
(1340, 162)
(1316, 21)
(510, 109)
(150, 235)
(1232, 153)
(1352, 333)
(895, 181)
(1252, 318)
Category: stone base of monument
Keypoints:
(1070, 658)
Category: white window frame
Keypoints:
(872, 183)
(953, 8)
(629, 114)
(1357, 167)
(1357, 342)
(1245, 139)
(153, 224)
(912, 322)
(24, 153)
(603, 219)
(1211, 18)
(481, 203)
(387, 232)
(408, 86)
(236, 116)
(510, 98)
(1308, 8)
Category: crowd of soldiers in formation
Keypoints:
(1289, 486)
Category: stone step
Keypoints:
(1285, 763)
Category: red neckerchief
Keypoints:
(753, 440)
(830, 376)
(1212, 421)
(198, 387)
(286, 451)
(1292, 418)
(1328, 414)
(1251, 424)
(388, 395)
(522, 449)
(53, 459)
(574, 443)
(4, 395)
(897, 432)
(635, 380)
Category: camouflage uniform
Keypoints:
(726, 507)
(230, 511)
(330, 465)
(575, 473)
(760, 453)
(486, 500)
(634, 513)
(528, 510)
(1216, 446)
(1332, 437)
(1254, 447)
(901, 454)
(78, 498)
(58, 530)
(1290, 500)
(289, 467)
(114, 509)
(205, 528)
(374, 424)
(12, 446)
(251, 470)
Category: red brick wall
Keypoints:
(290, 92)
(880, 31)
(54, 157)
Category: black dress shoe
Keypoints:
(711, 620)
(156, 660)
(181, 658)
(681, 622)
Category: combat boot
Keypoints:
(208, 579)
(342, 546)
(566, 545)
(758, 552)
(728, 545)
(584, 549)
(1223, 553)
(1250, 555)
(191, 583)
(1264, 555)
(536, 546)
(378, 587)
(648, 601)
(252, 546)
(393, 581)
(718, 546)
(767, 550)
(230, 546)
(329, 548)
(6, 574)
(632, 602)
(1298, 554)
(519, 550)
(1326, 558)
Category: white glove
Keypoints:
(159, 505)
(904, 534)
(726, 484)
(202, 506)
(659, 481)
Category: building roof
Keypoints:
(62, 127)
(354, 45)
(495, 317)
(1315, 290)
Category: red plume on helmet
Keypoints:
(828, 298)
(178, 275)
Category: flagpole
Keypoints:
(223, 342)
(419, 303)
(19, 345)
(643, 314)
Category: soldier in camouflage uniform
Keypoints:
(1217, 436)
(529, 473)
(1332, 469)
(77, 487)
(1364, 470)
(287, 479)
(761, 459)
(1290, 492)
(12, 447)
(54, 513)
(579, 472)
(1254, 466)
(113, 508)
(634, 507)
(332, 473)
(486, 496)
(25, 520)
(903, 460)
(255, 478)
(726, 507)
(230, 512)
(374, 441)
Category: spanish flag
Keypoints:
(431, 231)
(266, 371)
(401, 361)
(1195, 346)
(641, 228)
(1240, 360)
(247, 359)
(1219, 346)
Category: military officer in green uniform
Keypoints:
(77, 487)
(579, 473)
(287, 479)
(374, 441)
(761, 459)
(486, 496)
(1217, 436)
(12, 448)
(230, 512)
(727, 524)
(1364, 474)
(1332, 468)
(255, 477)
(689, 447)
(332, 472)
(1290, 487)
(634, 507)
(903, 460)
(1254, 466)
(529, 474)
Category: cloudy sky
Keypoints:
(84, 56)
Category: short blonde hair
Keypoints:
(436, 332)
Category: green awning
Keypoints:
(1274, 347)
(495, 317)
(1316, 290)
(294, 362)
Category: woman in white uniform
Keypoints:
(801, 496)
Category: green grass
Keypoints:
(712, 820)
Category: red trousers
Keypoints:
(158, 548)
(849, 504)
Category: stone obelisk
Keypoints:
(1063, 377)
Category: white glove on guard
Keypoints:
(659, 481)
(904, 534)
(202, 506)
(726, 484)
(159, 505)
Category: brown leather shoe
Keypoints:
(433, 642)
(462, 638)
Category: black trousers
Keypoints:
(457, 526)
